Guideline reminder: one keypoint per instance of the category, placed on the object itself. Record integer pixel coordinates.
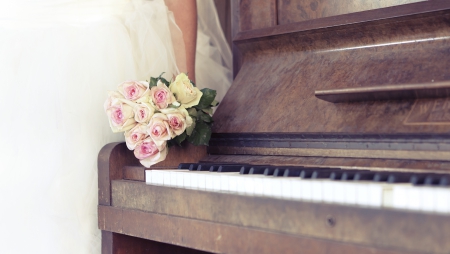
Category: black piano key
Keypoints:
(444, 181)
(324, 173)
(320, 174)
(258, 170)
(269, 171)
(399, 178)
(246, 169)
(279, 171)
(214, 168)
(349, 175)
(292, 172)
(381, 177)
(432, 180)
(229, 168)
(206, 167)
(364, 176)
(184, 165)
(426, 178)
(418, 179)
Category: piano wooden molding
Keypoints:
(386, 92)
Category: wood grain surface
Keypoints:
(283, 72)
(377, 227)
(218, 237)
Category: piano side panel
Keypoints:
(290, 11)
(274, 90)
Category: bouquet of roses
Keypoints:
(157, 114)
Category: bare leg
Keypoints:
(185, 12)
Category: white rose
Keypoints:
(185, 92)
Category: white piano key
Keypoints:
(442, 200)
(173, 178)
(375, 192)
(259, 185)
(233, 182)
(339, 191)
(350, 193)
(362, 195)
(241, 184)
(166, 177)
(327, 191)
(316, 190)
(201, 181)
(148, 176)
(306, 189)
(400, 196)
(216, 181)
(428, 196)
(158, 177)
(286, 188)
(296, 186)
(414, 201)
(276, 186)
(209, 182)
(179, 180)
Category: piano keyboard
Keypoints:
(427, 192)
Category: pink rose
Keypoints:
(149, 153)
(143, 112)
(161, 96)
(113, 96)
(177, 123)
(133, 90)
(120, 115)
(135, 135)
(159, 129)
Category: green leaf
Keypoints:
(207, 98)
(204, 117)
(201, 134)
(214, 103)
(192, 112)
(164, 81)
(208, 111)
(180, 138)
(153, 82)
(190, 129)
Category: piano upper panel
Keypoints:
(290, 11)
(283, 66)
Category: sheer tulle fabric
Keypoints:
(55, 71)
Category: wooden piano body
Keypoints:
(360, 84)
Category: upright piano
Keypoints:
(322, 89)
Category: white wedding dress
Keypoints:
(58, 59)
